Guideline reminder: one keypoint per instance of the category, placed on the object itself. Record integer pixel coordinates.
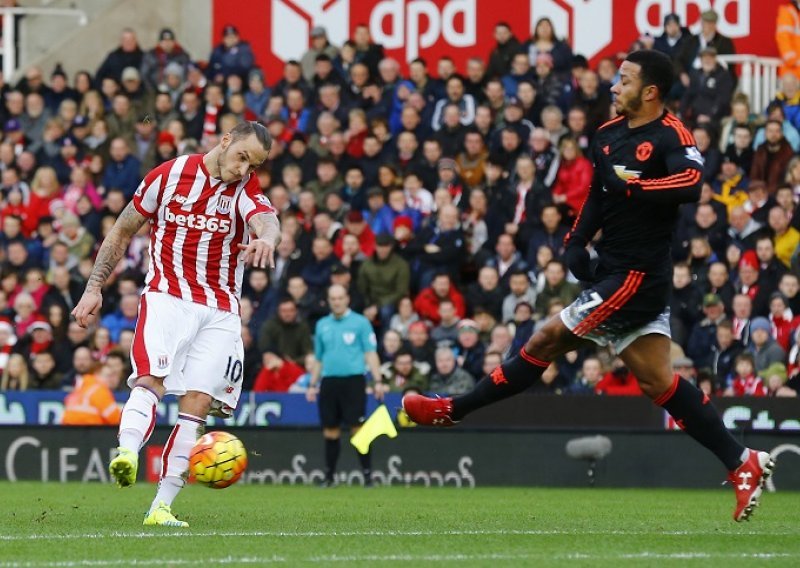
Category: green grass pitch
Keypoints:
(99, 525)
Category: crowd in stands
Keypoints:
(439, 198)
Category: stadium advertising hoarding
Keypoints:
(279, 29)
(42, 408)
(449, 458)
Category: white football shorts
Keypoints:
(194, 347)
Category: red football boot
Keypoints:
(429, 411)
(748, 481)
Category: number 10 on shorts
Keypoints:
(233, 370)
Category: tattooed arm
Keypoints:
(260, 252)
(114, 246)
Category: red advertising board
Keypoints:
(279, 29)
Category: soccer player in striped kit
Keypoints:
(646, 165)
(202, 210)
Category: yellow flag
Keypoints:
(378, 423)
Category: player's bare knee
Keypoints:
(153, 384)
(196, 403)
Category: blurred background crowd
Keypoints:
(439, 198)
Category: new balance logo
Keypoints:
(745, 477)
(498, 377)
(437, 421)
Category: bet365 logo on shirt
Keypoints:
(198, 221)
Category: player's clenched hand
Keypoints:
(259, 253)
(88, 307)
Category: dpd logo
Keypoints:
(587, 22)
(397, 24)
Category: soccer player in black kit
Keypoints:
(646, 166)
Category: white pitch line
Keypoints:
(457, 557)
(182, 533)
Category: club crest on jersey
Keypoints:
(644, 151)
(180, 199)
(224, 204)
(349, 337)
(163, 361)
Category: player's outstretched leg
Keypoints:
(175, 459)
(136, 425)
(510, 378)
(648, 359)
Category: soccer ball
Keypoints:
(217, 460)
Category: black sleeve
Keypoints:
(589, 217)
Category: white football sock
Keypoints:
(175, 459)
(138, 419)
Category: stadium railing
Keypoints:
(758, 77)
(8, 43)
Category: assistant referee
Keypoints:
(344, 347)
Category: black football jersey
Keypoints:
(636, 225)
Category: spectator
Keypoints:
(786, 238)
(123, 169)
(367, 52)
(573, 178)
(277, 374)
(427, 302)
(772, 157)
(707, 99)
(506, 46)
(684, 304)
(544, 41)
(128, 54)
(44, 375)
(232, 56)
(763, 348)
(319, 45)
(16, 376)
(590, 375)
(123, 318)
(556, 287)
(438, 247)
(725, 351)
(456, 95)
(703, 334)
(782, 321)
(709, 36)
(92, 402)
(448, 378)
(445, 332)
(787, 36)
(746, 382)
(619, 381)
(383, 280)
(485, 293)
(285, 335)
(673, 41)
(401, 375)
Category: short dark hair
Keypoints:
(248, 127)
(656, 69)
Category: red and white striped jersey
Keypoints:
(196, 223)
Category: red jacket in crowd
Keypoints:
(426, 304)
(278, 380)
(618, 384)
(573, 181)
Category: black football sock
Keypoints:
(331, 457)
(510, 378)
(695, 415)
(366, 465)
